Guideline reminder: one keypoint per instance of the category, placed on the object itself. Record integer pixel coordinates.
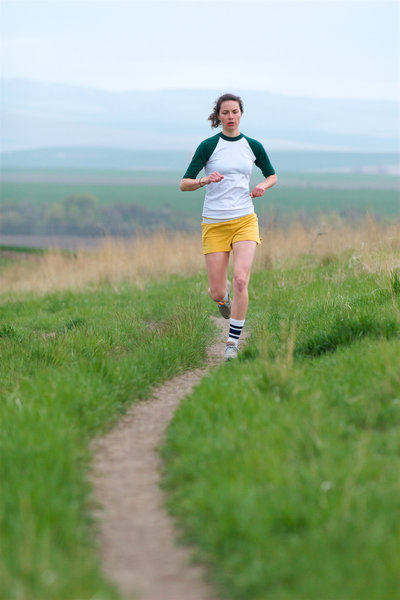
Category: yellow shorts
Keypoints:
(219, 237)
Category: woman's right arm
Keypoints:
(189, 185)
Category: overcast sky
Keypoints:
(321, 48)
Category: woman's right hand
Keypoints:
(214, 177)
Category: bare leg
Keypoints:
(217, 271)
(243, 255)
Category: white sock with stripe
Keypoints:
(235, 329)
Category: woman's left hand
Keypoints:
(257, 191)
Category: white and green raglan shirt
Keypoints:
(233, 157)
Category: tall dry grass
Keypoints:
(144, 258)
(373, 247)
(328, 240)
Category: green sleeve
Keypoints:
(201, 156)
(262, 161)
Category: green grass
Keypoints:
(24, 249)
(283, 468)
(70, 365)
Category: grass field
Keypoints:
(281, 468)
(159, 188)
(123, 202)
(119, 159)
(70, 364)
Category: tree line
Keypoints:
(82, 214)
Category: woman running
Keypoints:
(229, 221)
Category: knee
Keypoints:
(217, 293)
(240, 283)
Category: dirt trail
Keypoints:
(137, 536)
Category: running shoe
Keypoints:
(225, 307)
(231, 350)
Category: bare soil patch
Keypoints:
(137, 537)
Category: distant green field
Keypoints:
(90, 202)
(294, 192)
(124, 158)
(286, 198)
(151, 195)
(346, 202)
(159, 176)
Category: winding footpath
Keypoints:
(137, 536)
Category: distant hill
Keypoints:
(39, 115)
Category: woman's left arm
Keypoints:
(260, 188)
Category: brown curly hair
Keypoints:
(215, 121)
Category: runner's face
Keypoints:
(230, 115)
